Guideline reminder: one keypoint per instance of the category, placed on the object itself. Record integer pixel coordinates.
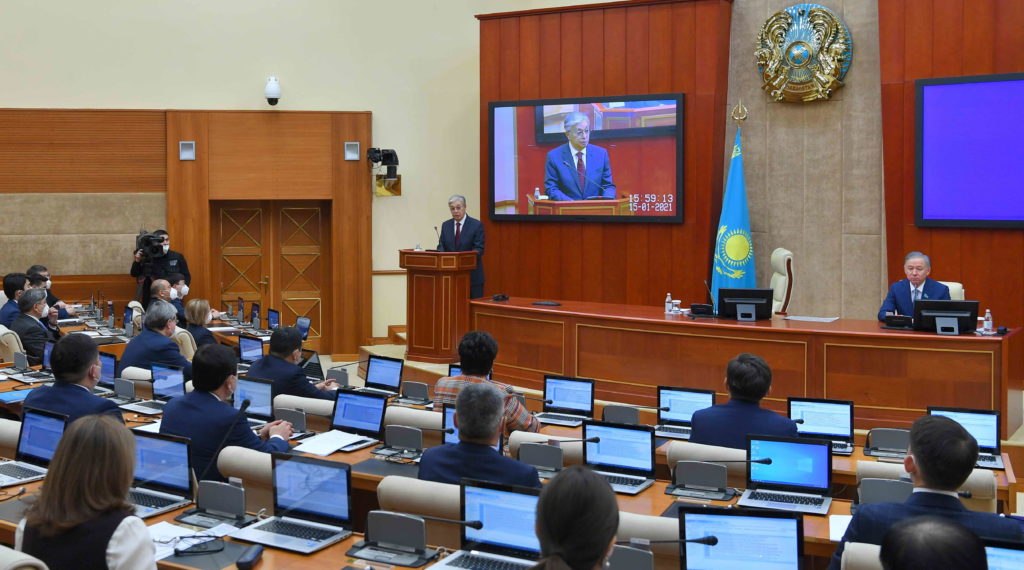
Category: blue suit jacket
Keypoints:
(871, 522)
(450, 462)
(9, 312)
(728, 424)
(471, 238)
(898, 299)
(288, 378)
(204, 419)
(152, 347)
(182, 321)
(202, 335)
(33, 334)
(562, 182)
(70, 399)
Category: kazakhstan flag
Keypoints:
(734, 250)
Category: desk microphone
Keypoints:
(534, 398)
(471, 524)
(708, 289)
(559, 442)
(660, 409)
(241, 412)
(349, 364)
(965, 494)
(798, 421)
(589, 179)
(763, 461)
(644, 543)
(443, 430)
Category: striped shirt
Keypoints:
(517, 417)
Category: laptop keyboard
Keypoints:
(986, 458)
(784, 498)
(626, 481)
(561, 417)
(18, 471)
(297, 530)
(483, 563)
(152, 405)
(151, 501)
(673, 429)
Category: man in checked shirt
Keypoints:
(477, 351)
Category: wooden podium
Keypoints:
(610, 207)
(437, 297)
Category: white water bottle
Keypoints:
(536, 193)
(987, 328)
(668, 303)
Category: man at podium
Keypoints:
(578, 170)
(462, 233)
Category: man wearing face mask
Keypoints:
(282, 366)
(161, 290)
(160, 267)
(177, 292)
(63, 312)
(36, 324)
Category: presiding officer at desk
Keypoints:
(205, 416)
(76, 370)
(578, 170)
(903, 293)
(282, 366)
(154, 344)
(463, 233)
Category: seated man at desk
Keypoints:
(917, 285)
(14, 285)
(207, 419)
(63, 312)
(748, 379)
(477, 351)
(75, 362)
(940, 458)
(478, 416)
(36, 324)
(282, 366)
(154, 344)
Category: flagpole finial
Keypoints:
(739, 113)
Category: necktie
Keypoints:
(917, 294)
(581, 169)
(458, 232)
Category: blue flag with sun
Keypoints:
(734, 250)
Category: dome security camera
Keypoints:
(272, 91)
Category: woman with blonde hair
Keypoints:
(82, 518)
(198, 315)
(577, 520)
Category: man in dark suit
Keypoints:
(748, 379)
(940, 458)
(159, 267)
(36, 324)
(578, 170)
(478, 416)
(205, 416)
(154, 344)
(14, 285)
(462, 233)
(282, 366)
(903, 293)
(76, 369)
(52, 300)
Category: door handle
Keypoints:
(265, 281)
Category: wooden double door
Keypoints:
(276, 253)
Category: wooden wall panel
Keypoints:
(188, 199)
(609, 49)
(941, 38)
(51, 150)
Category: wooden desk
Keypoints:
(630, 350)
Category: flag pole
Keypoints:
(739, 113)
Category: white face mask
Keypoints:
(166, 248)
(46, 311)
(209, 318)
(174, 293)
(184, 290)
(48, 283)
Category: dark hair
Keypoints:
(931, 542)
(161, 233)
(477, 350)
(577, 517)
(284, 341)
(944, 452)
(748, 377)
(175, 278)
(35, 270)
(30, 299)
(72, 357)
(35, 280)
(211, 366)
(14, 282)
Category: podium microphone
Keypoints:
(592, 181)
(241, 412)
(707, 288)
(438, 232)
(471, 524)
(645, 543)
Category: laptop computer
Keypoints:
(312, 505)
(572, 401)
(163, 474)
(983, 425)
(456, 370)
(507, 538)
(357, 422)
(250, 349)
(259, 392)
(824, 419)
(1004, 554)
(624, 455)
(302, 323)
(383, 375)
(273, 319)
(747, 538)
(798, 479)
(168, 382)
(310, 364)
(676, 421)
(40, 433)
(448, 421)
(108, 370)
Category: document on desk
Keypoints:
(327, 443)
(220, 329)
(812, 319)
(153, 427)
(837, 526)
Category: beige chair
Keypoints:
(956, 290)
(186, 344)
(142, 378)
(10, 343)
(318, 412)
(685, 451)
(9, 432)
(782, 280)
(418, 418)
(981, 483)
(666, 555)
(11, 559)
(137, 313)
(255, 469)
(861, 556)
(572, 453)
(415, 497)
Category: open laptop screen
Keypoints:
(312, 489)
(681, 403)
(982, 424)
(40, 433)
(254, 312)
(162, 462)
(302, 323)
(258, 392)
(746, 539)
(47, 351)
(108, 369)
(126, 319)
(621, 447)
(273, 319)
(796, 464)
(168, 381)
(822, 418)
(359, 413)
(449, 422)
(241, 309)
(456, 370)
(250, 349)
(572, 395)
(1004, 555)
(384, 373)
(508, 515)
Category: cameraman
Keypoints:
(158, 266)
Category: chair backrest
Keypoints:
(871, 490)
(9, 432)
(687, 451)
(415, 497)
(418, 418)
(621, 414)
(11, 559)
(186, 343)
(666, 555)
(256, 471)
(782, 280)
(861, 556)
(137, 312)
(981, 483)
(572, 453)
(10, 343)
(956, 290)
(318, 412)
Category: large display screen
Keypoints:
(614, 159)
